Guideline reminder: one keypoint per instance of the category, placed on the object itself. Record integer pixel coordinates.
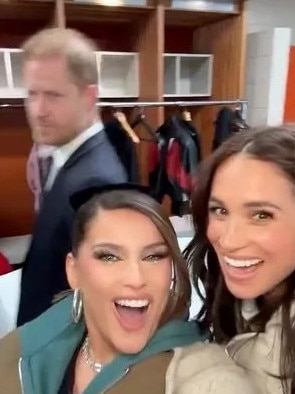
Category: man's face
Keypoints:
(57, 109)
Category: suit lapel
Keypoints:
(86, 147)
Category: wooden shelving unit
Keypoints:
(26, 10)
(118, 74)
(10, 74)
(153, 52)
(190, 18)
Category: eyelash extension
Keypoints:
(267, 214)
(159, 256)
(109, 256)
(101, 255)
(214, 209)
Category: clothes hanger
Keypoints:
(140, 118)
(121, 118)
(186, 115)
(238, 123)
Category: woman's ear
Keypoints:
(72, 271)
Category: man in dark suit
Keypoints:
(60, 74)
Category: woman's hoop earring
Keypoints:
(77, 306)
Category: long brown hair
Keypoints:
(221, 310)
(179, 300)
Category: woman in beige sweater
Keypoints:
(243, 253)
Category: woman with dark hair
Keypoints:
(243, 253)
(124, 328)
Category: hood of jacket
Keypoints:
(48, 343)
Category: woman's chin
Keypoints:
(131, 345)
(243, 292)
(133, 342)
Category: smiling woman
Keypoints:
(125, 261)
(123, 328)
(244, 252)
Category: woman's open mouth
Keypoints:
(242, 269)
(131, 313)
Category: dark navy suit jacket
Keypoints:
(95, 162)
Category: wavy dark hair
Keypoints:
(221, 311)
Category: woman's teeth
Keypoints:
(241, 263)
(133, 303)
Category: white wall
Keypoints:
(271, 30)
(264, 14)
(267, 62)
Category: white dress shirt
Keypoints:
(61, 154)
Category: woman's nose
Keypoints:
(233, 235)
(135, 277)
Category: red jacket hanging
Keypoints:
(5, 267)
(172, 164)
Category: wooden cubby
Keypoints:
(187, 75)
(118, 74)
(201, 51)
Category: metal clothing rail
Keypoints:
(169, 103)
(127, 104)
(243, 104)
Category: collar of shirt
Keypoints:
(43, 151)
(61, 154)
(249, 309)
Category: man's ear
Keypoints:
(91, 94)
(72, 271)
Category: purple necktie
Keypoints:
(45, 164)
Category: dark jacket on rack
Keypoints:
(95, 161)
(227, 122)
(195, 136)
(124, 147)
(172, 163)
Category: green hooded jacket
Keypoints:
(48, 343)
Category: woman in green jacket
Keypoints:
(123, 328)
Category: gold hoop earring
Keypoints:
(77, 306)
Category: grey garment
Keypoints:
(260, 353)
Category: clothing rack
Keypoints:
(125, 104)
(242, 104)
(169, 103)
